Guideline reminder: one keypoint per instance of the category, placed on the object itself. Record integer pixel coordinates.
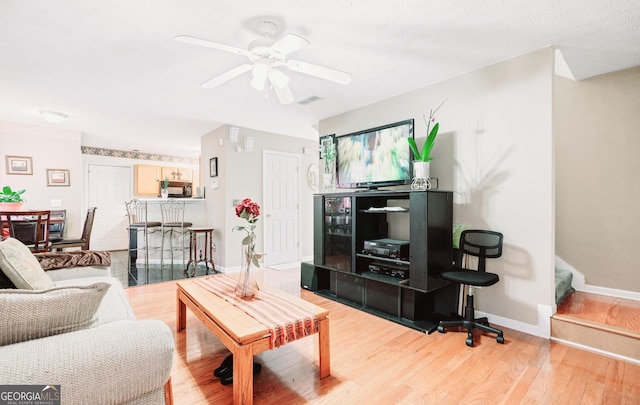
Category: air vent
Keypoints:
(309, 100)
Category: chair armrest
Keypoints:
(112, 363)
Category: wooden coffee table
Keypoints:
(243, 335)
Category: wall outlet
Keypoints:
(56, 203)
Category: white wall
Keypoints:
(239, 177)
(596, 125)
(49, 148)
(494, 152)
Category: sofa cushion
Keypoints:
(21, 267)
(115, 305)
(78, 272)
(29, 314)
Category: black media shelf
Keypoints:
(428, 326)
(344, 221)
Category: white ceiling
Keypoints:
(114, 68)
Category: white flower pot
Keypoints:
(421, 169)
(421, 180)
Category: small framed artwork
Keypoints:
(327, 146)
(58, 178)
(19, 165)
(213, 167)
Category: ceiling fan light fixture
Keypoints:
(52, 117)
(266, 54)
(260, 72)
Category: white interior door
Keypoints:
(281, 207)
(109, 188)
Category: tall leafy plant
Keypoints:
(424, 155)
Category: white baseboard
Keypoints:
(611, 292)
(542, 329)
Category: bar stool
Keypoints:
(173, 223)
(193, 250)
(137, 213)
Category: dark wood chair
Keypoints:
(29, 227)
(56, 225)
(83, 242)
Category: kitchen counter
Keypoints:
(194, 209)
(159, 200)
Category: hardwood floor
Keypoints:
(374, 361)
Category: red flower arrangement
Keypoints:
(248, 210)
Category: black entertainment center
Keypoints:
(357, 260)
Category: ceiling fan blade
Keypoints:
(319, 71)
(288, 44)
(228, 75)
(210, 44)
(280, 83)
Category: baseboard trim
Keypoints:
(610, 292)
(542, 329)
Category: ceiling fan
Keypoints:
(267, 55)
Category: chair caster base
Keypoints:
(500, 339)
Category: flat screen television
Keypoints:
(375, 157)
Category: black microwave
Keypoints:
(177, 189)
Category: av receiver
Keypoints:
(390, 269)
(391, 248)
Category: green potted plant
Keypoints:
(11, 200)
(423, 157)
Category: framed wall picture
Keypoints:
(58, 178)
(19, 165)
(213, 167)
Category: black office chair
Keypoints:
(482, 244)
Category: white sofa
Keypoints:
(107, 358)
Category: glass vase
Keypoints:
(247, 287)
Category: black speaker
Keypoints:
(308, 277)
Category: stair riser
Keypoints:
(589, 335)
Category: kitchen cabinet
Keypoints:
(146, 180)
(176, 173)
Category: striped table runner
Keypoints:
(286, 321)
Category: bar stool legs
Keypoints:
(137, 214)
(196, 256)
(173, 224)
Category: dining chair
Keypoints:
(29, 227)
(83, 242)
(57, 221)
